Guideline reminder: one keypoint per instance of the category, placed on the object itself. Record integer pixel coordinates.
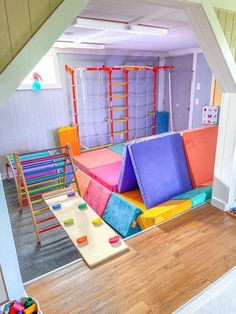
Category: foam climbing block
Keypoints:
(107, 175)
(117, 148)
(83, 180)
(96, 158)
(127, 180)
(200, 149)
(161, 169)
(69, 135)
(197, 196)
(121, 215)
(97, 196)
(163, 212)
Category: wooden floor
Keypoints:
(165, 267)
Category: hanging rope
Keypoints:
(170, 101)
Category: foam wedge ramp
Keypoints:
(163, 212)
(121, 215)
(197, 196)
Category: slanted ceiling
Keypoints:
(228, 23)
(18, 23)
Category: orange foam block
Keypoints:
(200, 150)
(69, 135)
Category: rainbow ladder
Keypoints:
(40, 174)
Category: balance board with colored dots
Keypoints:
(98, 248)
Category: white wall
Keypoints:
(8, 257)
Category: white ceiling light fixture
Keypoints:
(78, 45)
(114, 26)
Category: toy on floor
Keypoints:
(24, 306)
(232, 212)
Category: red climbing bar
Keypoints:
(49, 228)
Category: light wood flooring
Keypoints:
(166, 266)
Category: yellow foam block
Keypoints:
(163, 212)
(135, 198)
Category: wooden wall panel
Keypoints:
(55, 4)
(228, 22)
(5, 47)
(19, 23)
(39, 12)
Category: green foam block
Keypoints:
(197, 196)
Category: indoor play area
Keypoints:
(99, 146)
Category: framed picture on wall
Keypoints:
(3, 291)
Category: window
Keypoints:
(48, 70)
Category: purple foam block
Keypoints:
(127, 181)
(161, 169)
(71, 193)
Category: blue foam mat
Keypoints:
(197, 196)
(120, 215)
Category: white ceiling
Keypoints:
(147, 12)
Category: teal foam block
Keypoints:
(162, 122)
(117, 148)
(121, 214)
(197, 196)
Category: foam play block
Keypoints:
(162, 122)
(127, 180)
(117, 148)
(97, 196)
(163, 212)
(83, 180)
(121, 215)
(200, 149)
(96, 158)
(197, 196)
(69, 135)
(135, 198)
(107, 175)
(161, 169)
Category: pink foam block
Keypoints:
(83, 180)
(97, 196)
(96, 158)
(107, 175)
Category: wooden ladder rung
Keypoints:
(115, 120)
(119, 108)
(120, 132)
(119, 96)
(119, 83)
